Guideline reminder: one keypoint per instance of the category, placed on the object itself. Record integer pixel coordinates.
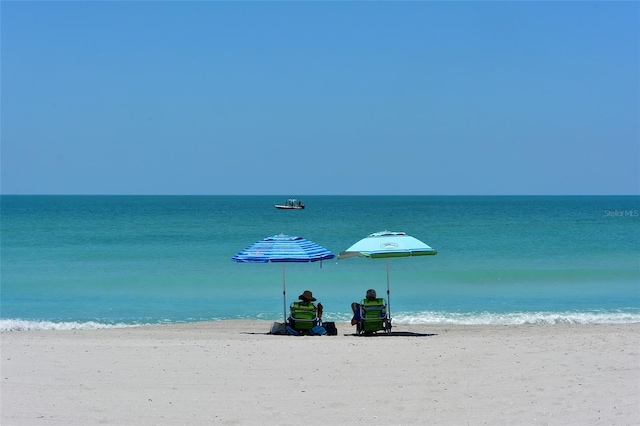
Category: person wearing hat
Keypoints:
(305, 314)
(306, 298)
(355, 307)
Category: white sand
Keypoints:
(223, 373)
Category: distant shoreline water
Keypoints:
(73, 262)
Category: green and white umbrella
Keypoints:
(388, 244)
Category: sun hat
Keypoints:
(371, 294)
(307, 295)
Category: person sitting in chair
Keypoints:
(355, 307)
(305, 314)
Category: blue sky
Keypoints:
(305, 98)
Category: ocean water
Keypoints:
(117, 261)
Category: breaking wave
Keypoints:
(515, 318)
(402, 317)
(25, 325)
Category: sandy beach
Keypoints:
(233, 373)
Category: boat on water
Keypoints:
(291, 204)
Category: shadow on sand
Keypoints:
(394, 333)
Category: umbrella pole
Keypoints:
(388, 295)
(284, 296)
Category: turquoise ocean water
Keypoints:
(113, 261)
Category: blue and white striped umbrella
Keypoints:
(283, 248)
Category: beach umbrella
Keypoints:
(283, 249)
(388, 244)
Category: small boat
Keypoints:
(291, 204)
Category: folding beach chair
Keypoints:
(303, 317)
(373, 317)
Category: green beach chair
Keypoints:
(373, 317)
(303, 317)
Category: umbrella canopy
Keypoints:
(283, 248)
(388, 244)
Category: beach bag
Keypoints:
(278, 328)
(318, 330)
(330, 327)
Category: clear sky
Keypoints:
(305, 98)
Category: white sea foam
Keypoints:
(424, 317)
(513, 318)
(24, 325)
